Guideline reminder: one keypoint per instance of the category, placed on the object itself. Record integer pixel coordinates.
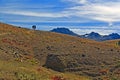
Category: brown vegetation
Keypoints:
(59, 52)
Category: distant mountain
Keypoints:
(64, 31)
(98, 37)
(92, 35)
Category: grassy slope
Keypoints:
(24, 66)
(113, 42)
(32, 47)
(12, 70)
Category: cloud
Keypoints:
(107, 13)
(77, 1)
(100, 10)
(36, 14)
(92, 1)
(101, 31)
(72, 11)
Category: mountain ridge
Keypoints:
(93, 35)
(98, 37)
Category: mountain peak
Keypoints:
(98, 37)
(64, 31)
(94, 34)
(114, 35)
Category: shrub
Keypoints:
(24, 76)
(34, 27)
(118, 43)
(58, 78)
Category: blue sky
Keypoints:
(81, 16)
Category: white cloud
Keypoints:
(107, 13)
(102, 12)
(100, 31)
(36, 14)
(77, 1)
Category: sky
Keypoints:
(80, 16)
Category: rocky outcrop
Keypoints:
(82, 64)
(68, 62)
(54, 62)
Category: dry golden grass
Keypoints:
(12, 70)
(113, 42)
(32, 47)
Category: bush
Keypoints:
(24, 76)
(58, 78)
(118, 43)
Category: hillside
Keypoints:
(19, 53)
(59, 52)
(115, 43)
